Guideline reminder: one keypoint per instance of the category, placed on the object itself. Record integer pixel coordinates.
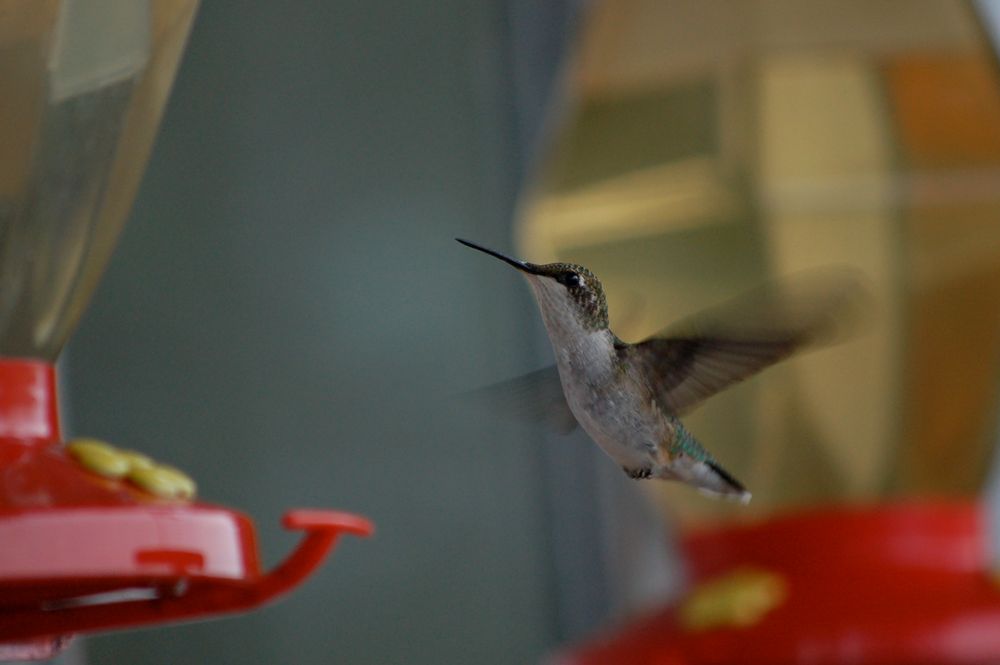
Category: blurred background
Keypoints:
(287, 317)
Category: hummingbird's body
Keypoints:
(609, 397)
(628, 397)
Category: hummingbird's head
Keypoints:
(568, 294)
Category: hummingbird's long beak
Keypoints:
(523, 266)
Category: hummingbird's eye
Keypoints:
(568, 279)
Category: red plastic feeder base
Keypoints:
(86, 553)
(893, 585)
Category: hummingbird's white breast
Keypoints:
(603, 395)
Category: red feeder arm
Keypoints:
(84, 553)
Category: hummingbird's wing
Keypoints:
(711, 351)
(684, 371)
(536, 397)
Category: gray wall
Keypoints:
(287, 318)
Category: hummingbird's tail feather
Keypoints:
(692, 464)
(709, 478)
(734, 489)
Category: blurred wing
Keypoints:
(710, 351)
(684, 371)
(536, 397)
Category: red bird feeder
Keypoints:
(85, 553)
(95, 538)
(902, 584)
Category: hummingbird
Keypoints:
(629, 397)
